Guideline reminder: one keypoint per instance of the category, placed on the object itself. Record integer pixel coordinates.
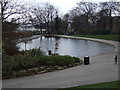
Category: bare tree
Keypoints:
(85, 12)
(88, 9)
(109, 9)
(112, 7)
(94, 18)
(12, 11)
(12, 8)
(43, 15)
(66, 21)
(51, 13)
(37, 18)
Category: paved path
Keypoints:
(101, 69)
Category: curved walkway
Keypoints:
(101, 69)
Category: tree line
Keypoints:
(95, 18)
(84, 18)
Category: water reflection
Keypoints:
(63, 46)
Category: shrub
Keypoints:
(10, 48)
(36, 51)
(63, 60)
(33, 58)
(77, 60)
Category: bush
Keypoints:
(34, 58)
(10, 48)
(77, 60)
(36, 51)
(63, 60)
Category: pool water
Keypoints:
(64, 46)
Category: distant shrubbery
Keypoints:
(34, 58)
(36, 32)
(16, 34)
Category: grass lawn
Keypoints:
(113, 84)
(106, 37)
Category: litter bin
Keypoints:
(86, 60)
(49, 52)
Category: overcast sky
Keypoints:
(64, 5)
